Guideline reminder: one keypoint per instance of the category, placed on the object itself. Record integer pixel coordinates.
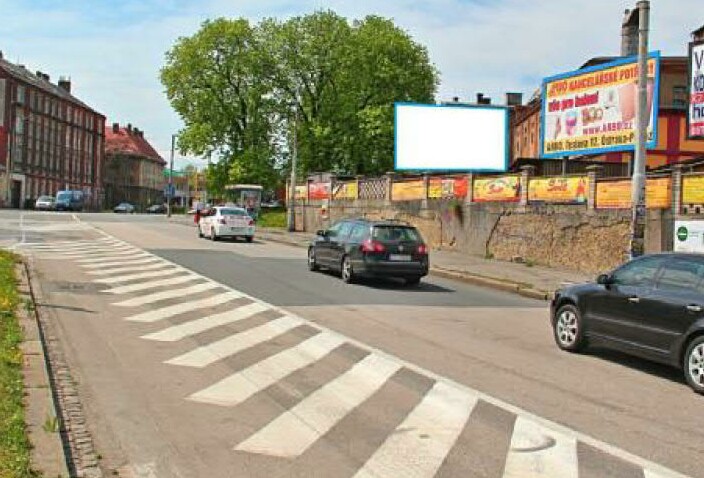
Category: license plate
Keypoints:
(399, 257)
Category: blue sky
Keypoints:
(113, 50)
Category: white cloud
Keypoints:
(479, 45)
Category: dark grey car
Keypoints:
(652, 307)
(364, 248)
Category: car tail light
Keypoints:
(250, 222)
(222, 221)
(422, 249)
(372, 246)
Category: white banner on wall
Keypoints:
(689, 236)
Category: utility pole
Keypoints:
(294, 153)
(637, 242)
(169, 196)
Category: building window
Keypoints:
(19, 94)
(2, 101)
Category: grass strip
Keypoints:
(14, 444)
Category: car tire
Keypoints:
(693, 364)
(568, 328)
(312, 261)
(213, 236)
(346, 271)
(411, 281)
(249, 238)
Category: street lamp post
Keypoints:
(294, 153)
(169, 196)
(642, 119)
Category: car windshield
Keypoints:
(45, 198)
(233, 212)
(63, 197)
(395, 233)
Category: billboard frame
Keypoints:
(692, 44)
(507, 134)
(609, 149)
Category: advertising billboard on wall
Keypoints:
(617, 194)
(501, 188)
(450, 138)
(408, 190)
(563, 190)
(593, 110)
(447, 188)
(693, 189)
(695, 116)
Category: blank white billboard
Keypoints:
(466, 138)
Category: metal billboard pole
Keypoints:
(291, 226)
(169, 196)
(637, 241)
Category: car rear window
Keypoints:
(45, 198)
(396, 233)
(233, 212)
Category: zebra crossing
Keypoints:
(419, 444)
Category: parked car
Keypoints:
(45, 203)
(69, 200)
(157, 209)
(365, 248)
(225, 221)
(651, 307)
(124, 208)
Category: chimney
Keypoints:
(514, 99)
(629, 33)
(40, 74)
(1, 56)
(483, 100)
(129, 128)
(46, 77)
(65, 83)
(116, 128)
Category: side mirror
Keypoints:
(605, 279)
(320, 233)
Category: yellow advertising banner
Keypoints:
(559, 190)
(301, 192)
(408, 190)
(693, 189)
(346, 190)
(501, 188)
(447, 187)
(617, 194)
(594, 110)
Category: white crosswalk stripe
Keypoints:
(418, 446)
(97, 252)
(537, 452)
(168, 294)
(113, 257)
(184, 307)
(208, 354)
(242, 385)
(294, 431)
(141, 286)
(143, 259)
(134, 268)
(178, 332)
(104, 254)
(140, 275)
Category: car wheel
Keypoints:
(347, 272)
(213, 236)
(694, 365)
(249, 238)
(312, 262)
(415, 280)
(567, 328)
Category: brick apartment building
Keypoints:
(49, 139)
(134, 171)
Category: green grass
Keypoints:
(14, 445)
(272, 218)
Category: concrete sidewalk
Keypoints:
(537, 282)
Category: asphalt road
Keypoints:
(496, 344)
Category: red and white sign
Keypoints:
(695, 115)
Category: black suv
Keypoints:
(366, 248)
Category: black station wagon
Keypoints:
(364, 248)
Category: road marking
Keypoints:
(140, 275)
(127, 289)
(120, 270)
(239, 387)
(147, 259)
(418, 446)
(294, 431)
(538, 452)
(113, 257)
(172, 310)
(54, 244)
(71, 247)
(168, 294)
(96, 252)
(178, 332)
(104, 254)
(211, 353)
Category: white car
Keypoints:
(45, 203)
(226, 221)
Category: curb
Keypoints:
(79, 450)
(469, 278)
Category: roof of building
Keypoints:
(129, 141)
(606, 59)
(698, 31)
(21, 73)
